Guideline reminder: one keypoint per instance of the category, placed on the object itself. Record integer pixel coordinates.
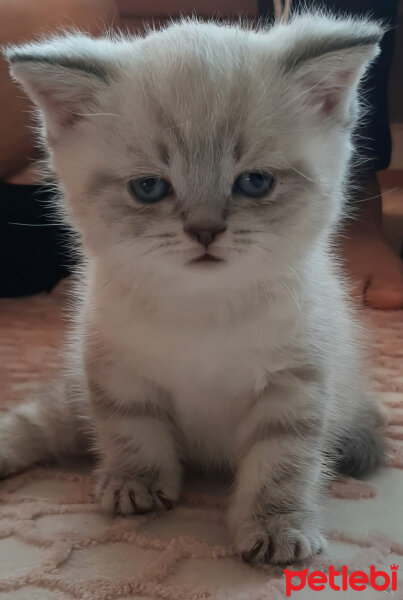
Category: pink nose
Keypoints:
(205, 235)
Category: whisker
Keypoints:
(177, 126)
(291, 293)
(35, 224)
(383, 193)
(161, 235)
(246, 231)
(245, 241)
(300, 173)
(100, 115)
(263, 246)
(158, 247)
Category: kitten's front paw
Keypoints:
(124, 496)
(278, 539)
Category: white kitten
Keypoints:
(204, 168)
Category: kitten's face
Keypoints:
(201, 184)
(200, 160)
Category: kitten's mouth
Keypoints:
(205, 258)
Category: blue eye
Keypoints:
(149, 189)
(253, 184)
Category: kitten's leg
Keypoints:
(354, 443)
(139, 469)
(274, 513)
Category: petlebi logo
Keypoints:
(341, 580)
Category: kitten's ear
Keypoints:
(63, 76)
(326, 59)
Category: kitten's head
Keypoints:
(201, 154)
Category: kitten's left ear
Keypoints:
(63, 76)
(326, 58)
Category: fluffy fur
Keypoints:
(252, 363)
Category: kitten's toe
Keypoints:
(123, 496)
(290, 545)
(278, 540)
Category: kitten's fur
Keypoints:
(252, 363)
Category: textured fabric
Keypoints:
(55, 544)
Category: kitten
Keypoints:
(204, 168)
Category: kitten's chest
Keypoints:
(212, 378)
(202, 366)
(212, 375)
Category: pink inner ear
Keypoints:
(328, 94)
(62, 111)
(329, 104)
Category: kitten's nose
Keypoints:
(205, 234)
